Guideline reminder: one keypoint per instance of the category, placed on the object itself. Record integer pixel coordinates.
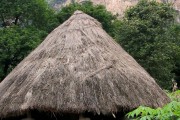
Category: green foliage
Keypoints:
(175, 31)
(175, 96)
(149, 33)
(170, 111)
(24, 24)
(99, 12)
(27, 12)
(15, 44)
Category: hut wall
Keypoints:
(36, 115)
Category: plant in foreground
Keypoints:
(170, 111)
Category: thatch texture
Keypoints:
(78, 68)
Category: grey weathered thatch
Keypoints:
(78, 68)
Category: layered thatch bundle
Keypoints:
(78, 68)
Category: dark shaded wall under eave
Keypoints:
(54, 116)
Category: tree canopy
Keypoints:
(15, 44)
(27, 12)
(150, 34)
(23, 25)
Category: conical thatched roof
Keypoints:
(78, 68)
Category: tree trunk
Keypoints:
(6, 67)
(16, 20)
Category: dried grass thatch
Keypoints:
(78, 68)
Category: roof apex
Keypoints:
(78, 12)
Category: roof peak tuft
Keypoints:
(78, 12)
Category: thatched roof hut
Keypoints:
(78, 68)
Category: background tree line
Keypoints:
(148, 32)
